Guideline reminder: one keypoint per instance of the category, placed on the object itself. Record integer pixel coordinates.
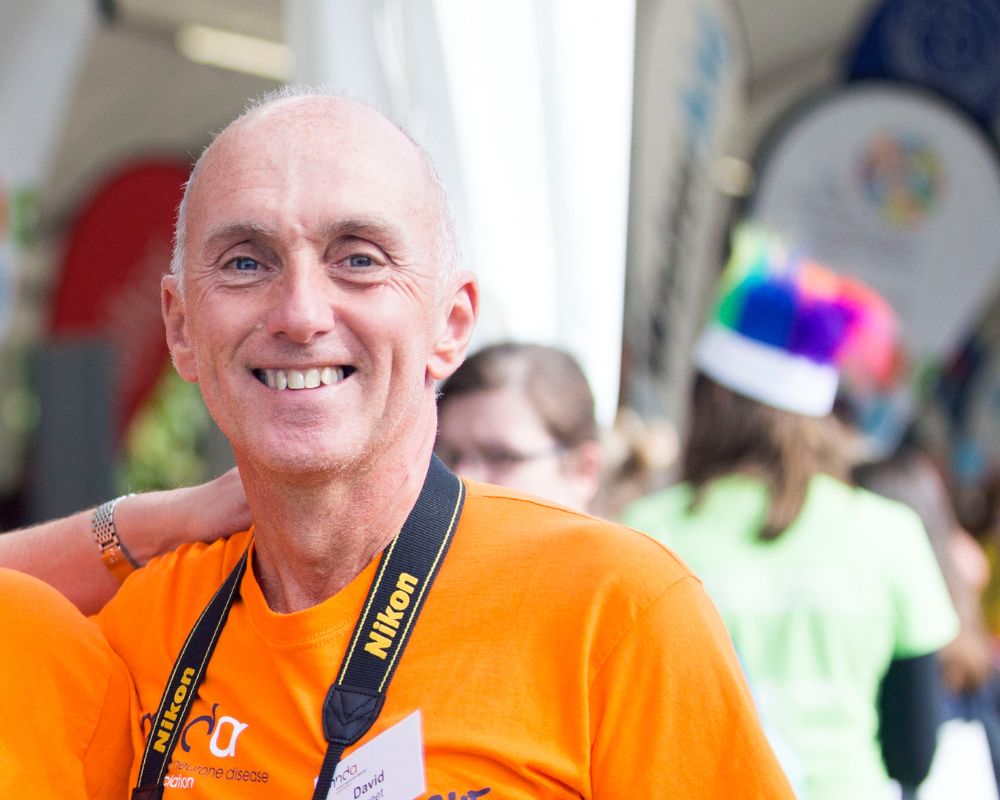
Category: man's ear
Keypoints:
(175, 321)
(461, 308)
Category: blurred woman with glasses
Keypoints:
(522, 416)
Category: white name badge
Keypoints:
(389, 767)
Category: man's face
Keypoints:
(312, 314)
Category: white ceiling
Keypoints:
(137, 95)
(780, 33)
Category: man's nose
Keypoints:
(301, 303)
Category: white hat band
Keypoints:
(765, 373)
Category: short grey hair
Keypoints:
(448, 253)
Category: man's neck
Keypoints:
(311, 541)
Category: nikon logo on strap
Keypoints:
(169, 718)
(383, 629)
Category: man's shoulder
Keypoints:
(536, 531)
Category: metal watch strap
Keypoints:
(115, 556)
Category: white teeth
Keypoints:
(303, 379)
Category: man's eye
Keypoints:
(244, 264)
(360, 261)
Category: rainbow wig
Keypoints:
(784, 328)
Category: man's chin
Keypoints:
(308, 464)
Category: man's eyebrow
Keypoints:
(236, 231)
(383, 234)
(379, 230)
(361, 227)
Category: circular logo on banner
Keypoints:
(901, 176)
(899, 188)
(109, 285)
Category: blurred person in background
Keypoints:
(967, 671)
(522, 416)
(822, 585)
(893, 457)
(640, 456)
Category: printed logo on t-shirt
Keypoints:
(471, 794)
(223, 732)
(221, 735)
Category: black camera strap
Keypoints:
(405, 573)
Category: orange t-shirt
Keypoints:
(556, 656)
(64, 730)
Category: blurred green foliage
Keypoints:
(165, 442)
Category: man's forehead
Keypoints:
(317, 120)
(316, 138)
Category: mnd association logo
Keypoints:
(223, 732)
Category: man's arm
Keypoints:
(64, 554)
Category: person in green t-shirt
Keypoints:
(823, 586)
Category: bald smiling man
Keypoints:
(386, 630)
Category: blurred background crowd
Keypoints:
(605, 161)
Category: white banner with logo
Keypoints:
(898, 188)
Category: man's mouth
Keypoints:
(311, 378)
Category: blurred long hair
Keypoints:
(729, 433)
